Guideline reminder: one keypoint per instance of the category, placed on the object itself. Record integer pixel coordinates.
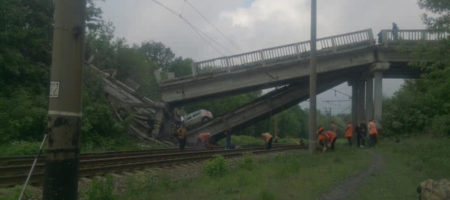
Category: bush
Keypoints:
(101, 189)
(216, 167)
(19, 148)
(440, 125)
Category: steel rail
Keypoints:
(120, 163)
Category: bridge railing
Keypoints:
(291, 51)
(387, 37)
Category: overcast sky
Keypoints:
(255, 24)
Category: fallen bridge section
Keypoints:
(263, 107)
(151, 120)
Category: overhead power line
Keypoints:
(214, 26)
(200, 33)
(343, 93)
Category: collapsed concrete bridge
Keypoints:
(353, 57)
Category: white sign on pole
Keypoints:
(54, 89)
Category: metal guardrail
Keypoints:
(294, 51)
(386, 37)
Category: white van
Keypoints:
(197, 118)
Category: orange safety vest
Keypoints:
(373, 128)
(349, 131)
(204, 137)
(181, 133)
(266, 137)
(321, 137)
(331, 135)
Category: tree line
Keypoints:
(26, 29)
(422, 106)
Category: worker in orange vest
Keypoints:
(331, 136)
(349, 133)
(203, 138)
(181, 136)
(267, 137)
(373, 133)
(322, 138)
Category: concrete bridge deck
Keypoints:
(287, 64)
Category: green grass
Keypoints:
(407, 163)
(14, 192)
(293, 175)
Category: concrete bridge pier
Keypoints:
(378, 96)
(369, 99)
(358, 102)
(361, 87)
(378, 69)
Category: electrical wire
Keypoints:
(343, 93)
(214, 26)
(202, 35)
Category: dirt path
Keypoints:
(348, 187)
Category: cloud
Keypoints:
(252, 24)
(255, 24)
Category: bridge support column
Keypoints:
(354, 103)
(361, 100)
(377, 70)
(378, 96)
(369, 99)
(358, 103)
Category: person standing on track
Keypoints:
(331, 136)
(267, 137)
(322, 138)
(182, 136)
(361, 132)
(203, 138)
(373, 133)
(349, 133)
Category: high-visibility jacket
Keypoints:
(320, 130)
(373, 128)
(349, 131)
(266, 137)
(321, 137)
(204, 137)
(181, 132)
(331, 135)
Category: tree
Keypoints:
(441, 8)
(157, 52)
(25, 41)
(422, 105)
(181, 67)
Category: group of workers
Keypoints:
(327, 139)
(203, 139)
(361, 131)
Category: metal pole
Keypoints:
(64, 112)
(313, 80)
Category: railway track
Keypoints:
(13, 170)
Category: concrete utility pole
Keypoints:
(64, 114)
(313, 80)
